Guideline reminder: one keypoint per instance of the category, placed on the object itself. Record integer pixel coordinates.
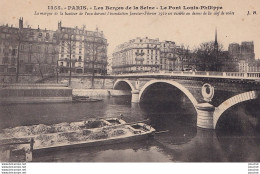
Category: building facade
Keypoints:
(86, 50)
(28, 50)
(145, 54)
(71, 49)
(8, 49)
(95, 57)
(137, 55)
(168, 55)
(249, 66)
(40, 51)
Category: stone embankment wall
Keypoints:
(77, 81)
(9, 79)
(35, 93)
(81, 85)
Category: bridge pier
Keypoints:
(205, 115)
(135, 96)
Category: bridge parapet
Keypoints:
(210, 74)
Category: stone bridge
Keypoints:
(228, 90)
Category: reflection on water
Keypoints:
(126, 152)
(236, 139)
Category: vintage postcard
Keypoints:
(129, 81)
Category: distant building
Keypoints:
(243, 55)
(249, 66)
(243, 66)
(254, 66)
(245, 51)
(234, 51)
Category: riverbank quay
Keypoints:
(51, 90)
(100, 92)
(35, 93)
(47, 93)
(77, 80)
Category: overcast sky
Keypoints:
(187, 30)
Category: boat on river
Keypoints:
(78, 96)
(103, 136)
(84, 138)
(34, 130)
(101, 122)
(85, 99)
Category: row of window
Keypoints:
(72, 30)
(7, 60)
(67, 51)
(39, 35)
(9, 30)
(142, 68)
(7, 51)
(73, 56)
(37, 48)
(72, 63)
(73, 45)
(126, 54)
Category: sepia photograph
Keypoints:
(129, 81)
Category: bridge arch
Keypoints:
(173, 83)
(126, 81)
(250, 95)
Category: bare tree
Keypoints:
(183, 56)
(19, 38)
(207, 56)
(69, 44)
(96, 49)
(40, 68)
(36, 54)
(104, 65)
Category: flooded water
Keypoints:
(237, 137)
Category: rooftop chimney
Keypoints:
(20, 23)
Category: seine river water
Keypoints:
(237, 137)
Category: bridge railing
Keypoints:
(256, 75)
(187, 73)
(236, 74)
(201, 73)
(210, 74)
